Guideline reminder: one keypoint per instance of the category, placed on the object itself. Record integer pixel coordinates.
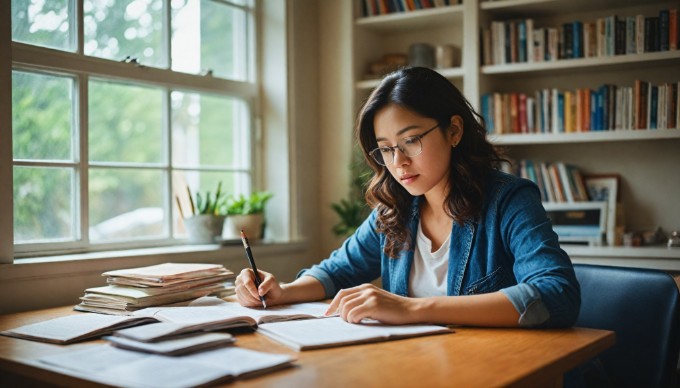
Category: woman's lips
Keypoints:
(408, 178)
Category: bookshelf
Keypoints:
(647, 160)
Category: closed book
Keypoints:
(619, 37)
(521, 41)
(653, 106)
(664, 24)
(529, 46)
(630, 35)
(673, 29)
(640, 40)
(577, 39)
(568, 31)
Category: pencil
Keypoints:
(191, 201)
(179, 206)
(249, 255)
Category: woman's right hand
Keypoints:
(248, 294)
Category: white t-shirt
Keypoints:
(429, 269)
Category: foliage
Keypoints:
(353, 210)
(241, 204)
(206, 203)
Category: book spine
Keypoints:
(673, 29)
(568, 31)
(577, 31)
(640, 40)
(663, 30)
(529, 47)
(630, 35)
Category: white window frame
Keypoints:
(81, 68)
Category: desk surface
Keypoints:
(467, 357)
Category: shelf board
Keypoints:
(651, 252)
(413, 20)
(571, 64)
(450, 73)
(528, 8)
(658, 257)
(585, 137)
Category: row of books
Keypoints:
(133, 289)
(517, 41)
(558, 182)
(609, 107)
(383, 7)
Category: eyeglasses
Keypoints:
(409, 146)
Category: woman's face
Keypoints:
(427, 172)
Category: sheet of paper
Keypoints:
(120, 367)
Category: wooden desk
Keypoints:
(469, 357)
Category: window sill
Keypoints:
(232, 256)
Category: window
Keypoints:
(117, 107)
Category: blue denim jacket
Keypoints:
(511, 248)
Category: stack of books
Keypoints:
(133, 289)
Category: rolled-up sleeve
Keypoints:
(547, 293)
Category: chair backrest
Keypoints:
(643, 307)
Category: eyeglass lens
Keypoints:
(408, 146)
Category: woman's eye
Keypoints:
(409, 140)
(385, 150)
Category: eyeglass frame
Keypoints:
(393, 149)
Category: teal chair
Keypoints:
(642, 307)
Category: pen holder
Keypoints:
(204, 228)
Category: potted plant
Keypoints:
(205, 223)
(245, 213)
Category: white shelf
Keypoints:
(413, 20)
(451, 73)
(641, 257)
(585, 137)
(617, 61)
(653, 252)
(524, 8)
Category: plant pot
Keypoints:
(204, 228)
(251, 224)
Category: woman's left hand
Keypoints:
(368, 301)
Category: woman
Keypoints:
(454, 240)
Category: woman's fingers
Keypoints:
(246, 290)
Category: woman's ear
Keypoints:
(456, 130)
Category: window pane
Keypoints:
(209, 130)
(204, 182)
(125, 204)
(125, 123)
(42, 23)
(43, 206)
(221, 30)
(115, 29)
(42, 116)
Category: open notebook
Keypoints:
(211, 314)
(334, 331)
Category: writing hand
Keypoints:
(368, 301)
(248, 294)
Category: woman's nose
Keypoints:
(400, 158)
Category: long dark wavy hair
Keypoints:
(429, 94)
